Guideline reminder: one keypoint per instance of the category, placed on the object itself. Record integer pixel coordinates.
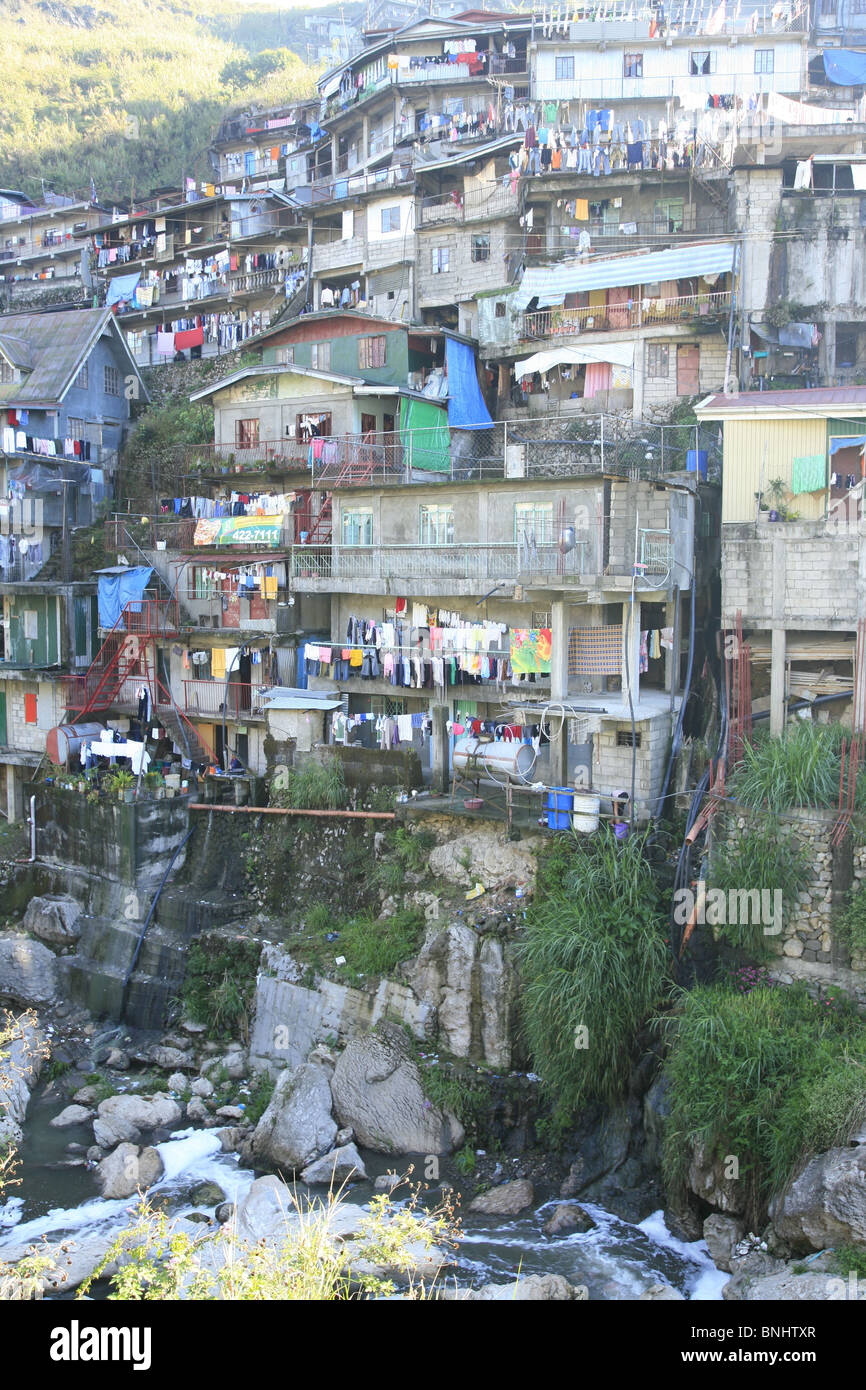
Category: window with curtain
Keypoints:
(247, 433)
(534, 520)
(372, 351)
(436, 525)
(358, 526)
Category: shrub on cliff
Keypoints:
(769, 1075)
(595, 965)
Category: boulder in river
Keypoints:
(127, 1169)
(28, 970)
(534, 1288)
(506, 1200)
(122, 1118)
(340, 1165)
(72, 1115)
(377, 1090)
(297, 1125)
(825, 1205)
(566, 1218)
(18, 1074)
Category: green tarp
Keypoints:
(809, 473)
(425, 436)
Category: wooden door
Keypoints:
(688, 370)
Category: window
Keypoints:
(440, 260)
(7, 371)
(480, 248)
(76, 428)
(285, 356)
(30, 716)
(846, 348)
(436, 525)
(371, 352)
(626, 739)
(358, 526)
(247, 433)
(500, 308)
(533, 521)
(702, 62)
(309, 426)
(30, 624)
(632, 65)
(320, 356)
(657, 361)
(82, 381)
(390, 219)
(764, 60)
(564, 69)
(112, 381)
(669, 214)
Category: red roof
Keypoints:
(770, 400)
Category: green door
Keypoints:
(2, 718)
(81, 614)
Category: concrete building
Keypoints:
(42, 260)
(793, 554)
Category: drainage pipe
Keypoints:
(291, 811)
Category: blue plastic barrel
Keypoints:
(560, 804)
(696, 462)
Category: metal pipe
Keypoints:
(291, 811)
(32, 829)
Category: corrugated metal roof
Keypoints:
(820, 399)
(57, 346)
(550, 283)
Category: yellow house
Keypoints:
(789, 435)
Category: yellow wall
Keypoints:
(756, 451)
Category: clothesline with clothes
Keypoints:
(15, 441)
(236, 504)
(226, 330)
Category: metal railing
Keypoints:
(492, 200)
(643, 312)
(656, 551)
(607, 237)
(247, 458)
(238, 699)
(383, 562)
(331, 190)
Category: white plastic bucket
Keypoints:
(584, 817)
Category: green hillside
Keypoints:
(130, 93)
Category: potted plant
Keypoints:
(122, 782)
(776, 493)
(155, 782)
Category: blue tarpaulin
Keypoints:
(122, 288)
(847, 441)
(117, 588)
(845, 67)
(466, 408)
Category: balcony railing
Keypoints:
(286, 454)
(237, 700)
(609, 237)
(633, 313)
(401, 562)
(493, 200)
(331, 190)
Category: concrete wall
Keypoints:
(792, 576)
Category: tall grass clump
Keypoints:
(801, 768)
(770, 1075)
(318, 786)
(851, 922)
(594, 958)
(761, 860)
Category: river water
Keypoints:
(615, 1260)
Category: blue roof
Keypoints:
(551, 283)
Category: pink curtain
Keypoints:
(597, 379)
